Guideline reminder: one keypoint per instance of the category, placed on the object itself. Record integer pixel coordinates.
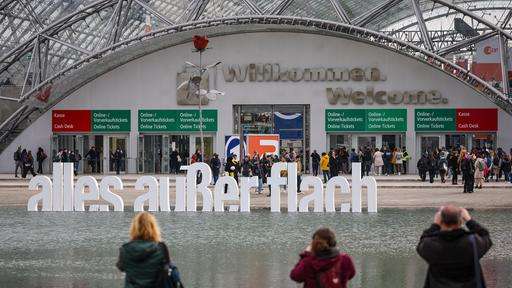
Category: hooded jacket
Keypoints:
(310, 266)
(142, 261)
(450, 255)
(324, 163)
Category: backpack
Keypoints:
(169, 276)
(330, 278)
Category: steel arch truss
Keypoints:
(56, 50)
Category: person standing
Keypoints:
(40, 157)
(354, 157)
(173, 158)
(18, 162)
(28, 164)
(453, 163)
(378, 162)
(215, 165)
(367, 161)
(299, 172)
(333, 163)
(479, 171)
(259, 170)
(406, 159)
(118, 159)
(399, 159)
(467, 166)
(432, 167)
(422, 166)
(91, 157)
(315, 160)
(324, 165)
(442, 165)
(144, 259)
(505, 167)
(453, 253)
(322, 265)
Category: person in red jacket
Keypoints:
(322, 265)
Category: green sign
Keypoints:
(110, 120)
(386, 120)
(345, 120)
(365, 120)
(176, 120)
(435, 119)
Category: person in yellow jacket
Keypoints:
(324, 165)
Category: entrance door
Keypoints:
(455, 141)
(98, 144)
(152, 153)
(208, 146)
(68, 143)
(367, 141)
(484, 141)
(389, 141)
(179, 147)
(429, 143)
(338, 141)
(115, 143)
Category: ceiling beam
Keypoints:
(279, 9)
(342, 14)
(155, 13)
(427, 41)
(465, 43)
(254, 8)
(373, 14)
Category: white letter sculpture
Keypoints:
(193, 188)
(357, 184)
(275, 189)
(220, 196)
(107, 195)
(45, 195)
(317, 196)
(80, 196)
(334, 182)
(151, 196)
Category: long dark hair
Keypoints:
(323, 239)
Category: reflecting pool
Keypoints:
(257, 249)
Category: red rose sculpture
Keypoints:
(200, 42)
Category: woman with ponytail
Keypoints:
(322, 265)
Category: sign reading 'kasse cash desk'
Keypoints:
(83, 121)
(62, 193)
(177, 120)
(456, 119)
(365, 120)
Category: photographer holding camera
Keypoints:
(452, 252)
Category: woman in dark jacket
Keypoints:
(322, 265)
(144, 257)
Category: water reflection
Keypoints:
(228, 250)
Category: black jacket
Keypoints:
(450, 255)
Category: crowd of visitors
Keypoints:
(476, 166)
(452, 248)
(24, 161)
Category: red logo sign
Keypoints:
(477, 119)
(44, 94)
(488, 50)
(263, 144)
(71, 120)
